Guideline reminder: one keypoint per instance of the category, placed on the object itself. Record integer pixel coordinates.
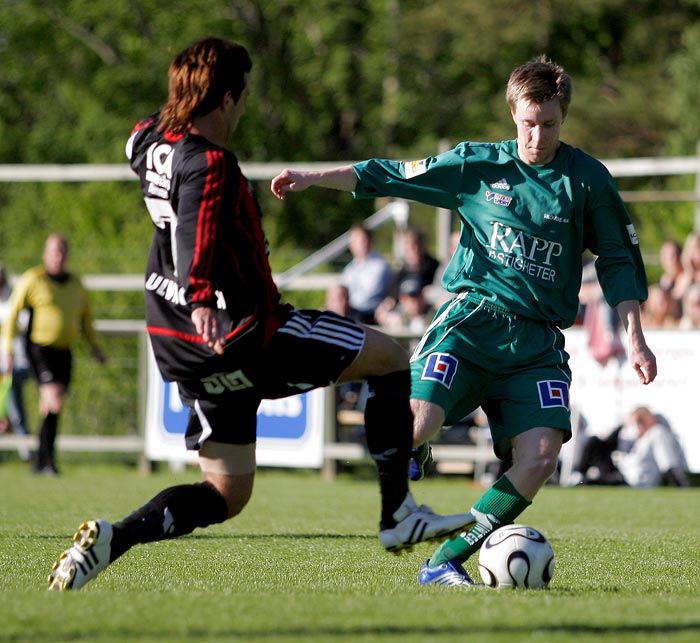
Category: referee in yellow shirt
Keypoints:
(59, 313)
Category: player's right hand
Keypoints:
(289, 181)
(206, 324)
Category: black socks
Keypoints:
(389, 432)
(174, 512)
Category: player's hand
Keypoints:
(206, 324)
(644, 362)
(290, 181)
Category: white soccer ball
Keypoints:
(516, 556)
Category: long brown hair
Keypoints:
(199, 76)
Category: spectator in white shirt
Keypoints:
(642, 453)
(368, 277)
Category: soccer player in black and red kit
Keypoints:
(219, 329)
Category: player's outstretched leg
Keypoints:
(87, 557)
(419, 523)
(389, 427)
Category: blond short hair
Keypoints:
(539, 81)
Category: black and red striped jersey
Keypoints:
(208, 249)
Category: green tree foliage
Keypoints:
(333, 80)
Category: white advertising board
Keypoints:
(604, 395)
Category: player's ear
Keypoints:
(227, 100)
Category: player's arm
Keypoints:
(208, 191)
(640, 356)
(340, 178)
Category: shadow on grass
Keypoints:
(234, 536)
(390, 631)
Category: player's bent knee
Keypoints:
(235, 490)
(230, 469)
(541, 468)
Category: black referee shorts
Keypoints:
(50, 365)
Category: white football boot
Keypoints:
(419, 523)
(86, 558)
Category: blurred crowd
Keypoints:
(674, 300)
(402, 297)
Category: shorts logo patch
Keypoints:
(632, 234)
(222, 382)
(553, 394)
(440, 367)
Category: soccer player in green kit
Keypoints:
(529, 208)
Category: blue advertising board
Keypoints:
(290, 430)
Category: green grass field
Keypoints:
(303, 563)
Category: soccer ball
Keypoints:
(516, 556)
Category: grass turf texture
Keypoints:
(303, 563)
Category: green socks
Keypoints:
(499, 506)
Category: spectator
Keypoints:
(672, 268)
(367, 277)
(338, 300)
(691, 308)
(690, 257)
(658, 309)
(16, 415)
(411, 313)
(600, 320)
(417, 266)
(436, 293)
(651, 458)
(60, 311)
(349, 395)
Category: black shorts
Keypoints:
(50, 365)
(309, 351)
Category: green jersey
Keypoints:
(524, 227)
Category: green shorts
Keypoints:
(475, 354)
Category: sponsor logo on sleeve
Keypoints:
(414, 168)
(633, 234)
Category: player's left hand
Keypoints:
(644, 362)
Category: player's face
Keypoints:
(359, 244)
(538, 129)
(55, 256)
